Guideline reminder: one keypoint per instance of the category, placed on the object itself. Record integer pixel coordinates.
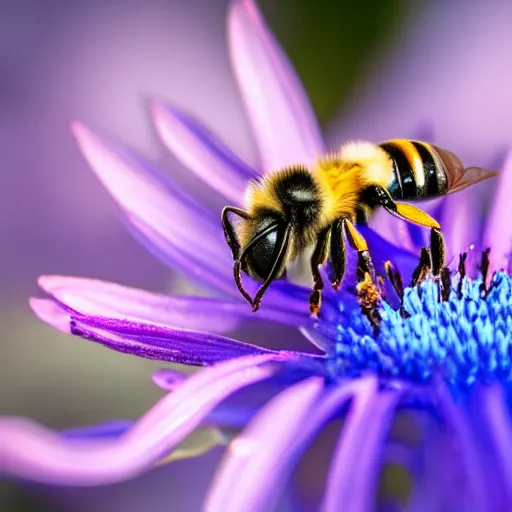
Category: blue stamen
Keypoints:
(463, 339)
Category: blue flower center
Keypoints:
(463, 337)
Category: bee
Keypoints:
(295, 209)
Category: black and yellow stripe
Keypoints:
(419, 173)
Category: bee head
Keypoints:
(259, 246)
(283, 212)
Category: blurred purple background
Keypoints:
(96, 61)
(444, 63)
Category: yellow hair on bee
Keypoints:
(376, 164)
(343, 175)
(260, 194)
(263, 193)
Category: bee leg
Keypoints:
(437, 250)
(368, 293)
(338, 252)
(237, 275)
(415, 215)
(229, 230)
(364, 262)
(379, 196)
(318, 258)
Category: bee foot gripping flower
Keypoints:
(369, 298)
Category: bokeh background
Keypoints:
(374, 69)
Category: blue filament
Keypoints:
(464, 339)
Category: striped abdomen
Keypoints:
(420, 170)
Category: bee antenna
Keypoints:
(237, 274)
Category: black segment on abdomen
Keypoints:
(434, 186)
(404, 184)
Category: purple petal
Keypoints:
(170, 224)
(355, 468)
(149, 341)
(215, 274)
(234, 412)
(284, 301)
(51, 313)
(33, 452)
(262, 458)
(91, 297)
(498, 232)
(239, 409)
(495, 412)
(201, 152)
(283, 121)
(148, 199)
(432, 489)
(469, 458)
(265, 440)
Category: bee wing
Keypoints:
(468, 176)
(458, 177)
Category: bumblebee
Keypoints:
(291, 210)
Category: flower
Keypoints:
(442, 361)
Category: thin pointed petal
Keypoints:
(92, 297)
(33, 452)
(283, 121)
(201, 152)
(468, 444)
(286, 426)
(149, 199)
(254, 484)
(215, 274)
(354, 472)
(51, 313)
(495, 410)
(149, 341)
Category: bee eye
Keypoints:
(261, 256)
